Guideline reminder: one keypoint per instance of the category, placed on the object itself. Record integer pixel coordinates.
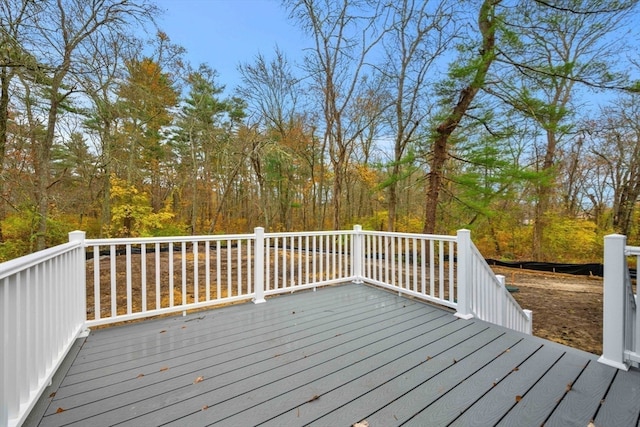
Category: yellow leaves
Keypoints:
(131, 211)
(367, 175)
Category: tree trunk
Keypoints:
(452, 121)
(5, 78)
(545, 193)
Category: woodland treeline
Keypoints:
(518, 119)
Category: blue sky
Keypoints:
(223, 33)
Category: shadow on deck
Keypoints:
(332, 358)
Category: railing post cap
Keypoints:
(615, 236)
(77, 236)
(357, 227)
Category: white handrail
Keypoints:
(49, 298)
(424, 266)
(42, 309)
(491, 299)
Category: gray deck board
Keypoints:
(581, 403)
(450, 405)
(537, 403)
(491, 406)
(624, 395)
(282, 372)
(329, 358)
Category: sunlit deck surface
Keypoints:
(332, 358)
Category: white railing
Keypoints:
(176, 274)
(423, 266)
(142, 277)
(49, 298)
(296, 261)
(42, 307)
(620, 320)
(419, 265)
(491, 301)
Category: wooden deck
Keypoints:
(332, 358)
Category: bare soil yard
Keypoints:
(566, 309)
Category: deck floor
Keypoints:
(332, 358)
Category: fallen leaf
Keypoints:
(163, 331)
(205, 407)
(569, 386)
(164, 368)
(184, 327)
(52, 395)
(518, 398)
(516, 369)
(429, 357)
(315, 397)
(198, 380)
(140, 376)
(59, 410)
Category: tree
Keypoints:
(13, 58)
(344, 34)
(271, 92)
(418, 37)
(616, 141)
(200, 138)
(61, 36)
(103, 119)
(474, 73)
(552, 50)
(132, 213)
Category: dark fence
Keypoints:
(577, 269)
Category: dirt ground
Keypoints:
(566, 309)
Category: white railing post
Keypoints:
(77, 236)
(81, 278)
(613, 306)
(356, 260)
(465, 259)
(258, 266)
(501, 303)
(529, 315)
